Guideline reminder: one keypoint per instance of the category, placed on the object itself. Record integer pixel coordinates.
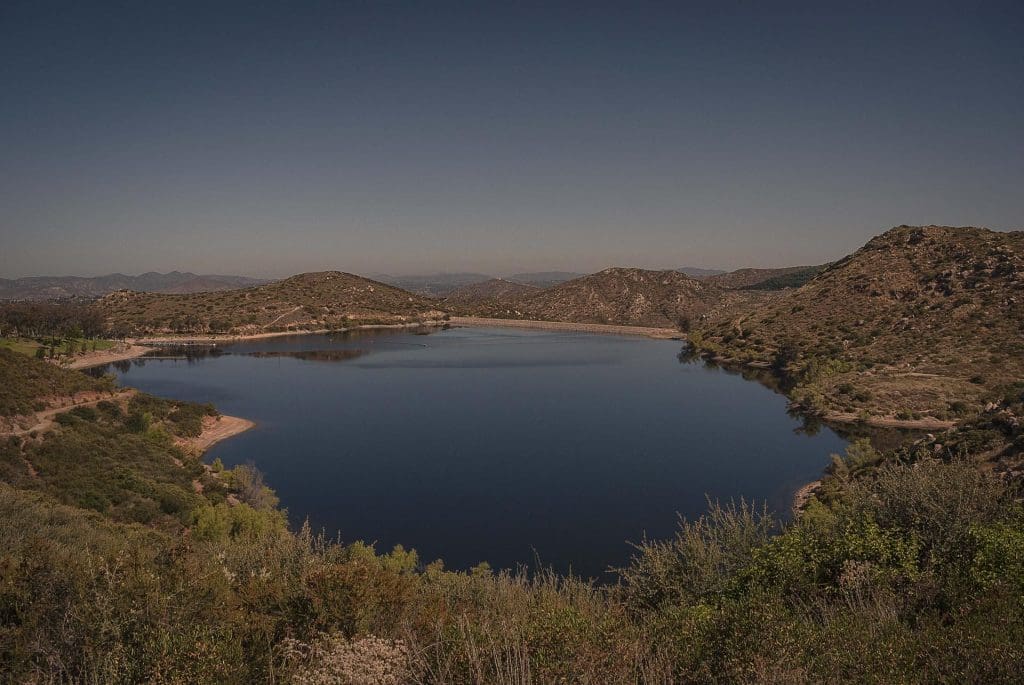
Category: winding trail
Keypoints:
(43, 420)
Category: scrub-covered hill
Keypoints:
(920, 322)
(329, 299)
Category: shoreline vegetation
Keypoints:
(903, 566)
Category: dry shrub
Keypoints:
(332, 659)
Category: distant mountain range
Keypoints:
(66, 287)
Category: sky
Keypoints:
(269, 138)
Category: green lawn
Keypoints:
(28, 345)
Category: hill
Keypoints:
(622, 296)
(67, 287)
(921, 322)
(766, 279)
(323, 300)
(496, 292)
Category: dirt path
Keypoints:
(215, 429)
(650, 332)
(43, 420)
(284, 315)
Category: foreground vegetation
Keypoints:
(124, 559)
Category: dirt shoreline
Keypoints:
(607, 329)
(91, 359)
(216, 429)
(802, 496)
(219, 338)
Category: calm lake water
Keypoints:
(501, 445)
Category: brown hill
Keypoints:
(494, 292)
(922, 321)
(328, 299)
(630, 297)
(789, 276)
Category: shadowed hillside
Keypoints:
(766, 279)
(921, 321)
(328, 299)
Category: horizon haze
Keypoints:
(269, 139)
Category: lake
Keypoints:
(504, 445)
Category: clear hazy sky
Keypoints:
(271, 138)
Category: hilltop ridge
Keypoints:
(317, 300)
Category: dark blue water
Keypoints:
(496, 444)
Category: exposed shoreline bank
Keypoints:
(217, 430)
(607, 329)
(91, 359)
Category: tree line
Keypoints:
(54, 320)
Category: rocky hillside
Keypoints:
(328, 299)
(922, 323)
(629, 297)
(67, 287)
